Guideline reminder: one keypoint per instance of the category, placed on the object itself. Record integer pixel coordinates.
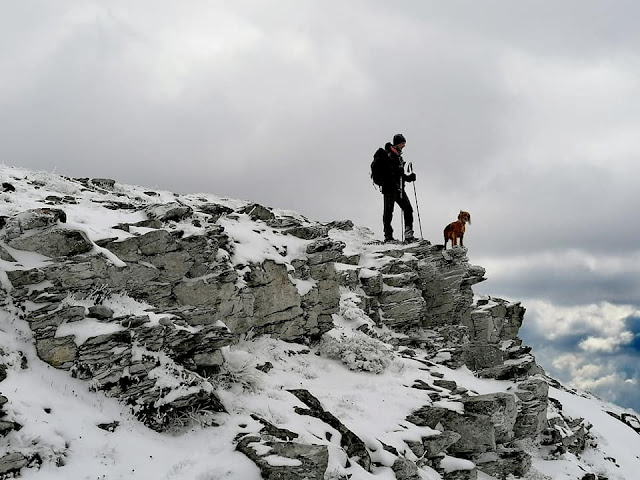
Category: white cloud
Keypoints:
(565, 259)
(608, 320)
(577, 110)
(580, 373)
(606, 345)
(593, 384)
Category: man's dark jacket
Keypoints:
(393, 168)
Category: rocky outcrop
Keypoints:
(194, 297)
(475, 431)
(211, 301)
(533, 394)
(417, 287)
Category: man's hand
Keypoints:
(410, 178)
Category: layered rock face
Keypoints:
(204, 300)
(192, 299)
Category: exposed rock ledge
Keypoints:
(194, 301)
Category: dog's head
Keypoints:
(464, 217)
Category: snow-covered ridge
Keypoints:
(146, 334)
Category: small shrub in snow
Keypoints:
(358, 352)
(238, 370)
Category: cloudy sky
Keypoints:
(525, 113)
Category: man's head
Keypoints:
(399, 141)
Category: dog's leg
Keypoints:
(461, 237)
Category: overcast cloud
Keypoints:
(524, 113)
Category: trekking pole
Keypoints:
(410, 167)
(402, 192)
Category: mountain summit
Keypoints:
(150, 335)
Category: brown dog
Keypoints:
(455, 230)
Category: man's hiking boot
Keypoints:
(410, 239)
(390, 240)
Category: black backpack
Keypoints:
(379, 167)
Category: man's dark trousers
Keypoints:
(390, 199)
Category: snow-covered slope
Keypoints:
(370, 386)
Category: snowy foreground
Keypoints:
(60, 414)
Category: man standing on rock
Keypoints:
(393, 192)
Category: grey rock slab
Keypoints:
(508, 462)
(405, 469)
(6, 256)
(107, 183)
(169, 211)
(56, 242)
(270, 429)
(324, 250)
(402, 308)
(37, 218)
(12, 463)
(476, 431)
(500, 408)
(478, 355)
(58, 352)
(341, 225)
(371, 281)
(20, 278)
(436, 445)
(308, 232)
(157, 242)
(511, 371)
(258, 212)
(352, 444)
(302, 461)
(448, 384)
(101, 312)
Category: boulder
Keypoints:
(278, 460)
(436, 446)
(506, 463)
(324, 250)
(37, 218)
(501, 410)
(101, 312)
(494, 320)
(106, 183)
(477, 433)
(55, 242)
(4, 255)
(12, 463)
(58, 352)
(515, 369)
(531, 420)
(405, 469)
(215, 210)
(258, 212)
(168, 211)
(308, 232)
